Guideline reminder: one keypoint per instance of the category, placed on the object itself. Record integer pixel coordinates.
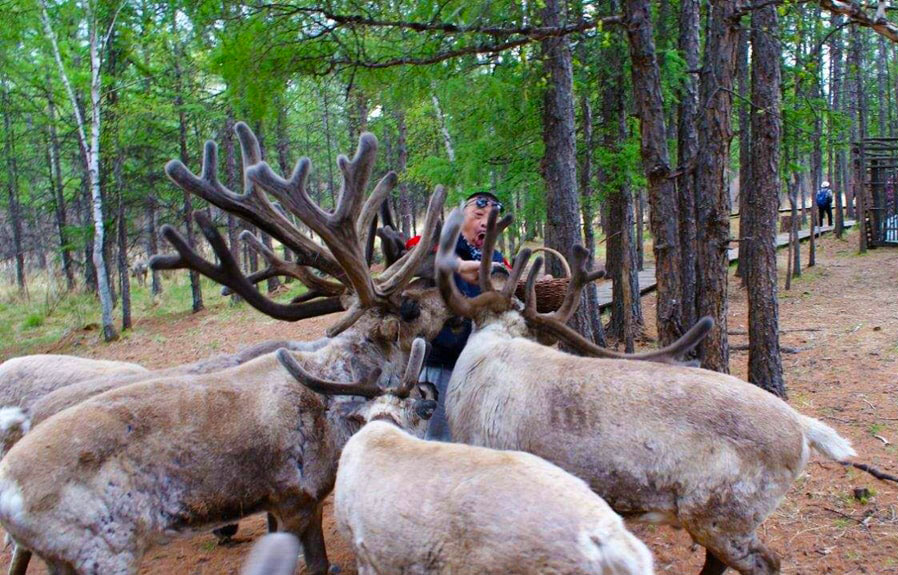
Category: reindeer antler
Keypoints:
(347, 232)
(552, 324)
(227, 272)
(366, 387)
(253, 205)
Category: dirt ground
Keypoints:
(840, 321)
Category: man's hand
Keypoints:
(469, 271)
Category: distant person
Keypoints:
(824, 201)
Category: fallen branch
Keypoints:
(783, 348)
(871, 470)
(797, 329)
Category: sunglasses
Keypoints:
(482, 202)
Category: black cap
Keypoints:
(481, 194)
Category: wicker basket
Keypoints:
(549, 292)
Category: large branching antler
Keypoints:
(317, 285)
(253, 205)
(348, 232)
(227, 272)
(551, 324)
(338, 229)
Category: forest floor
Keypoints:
(840, 318)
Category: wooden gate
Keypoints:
(876, 186)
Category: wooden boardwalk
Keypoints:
(647, 276)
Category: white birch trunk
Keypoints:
(91, 152)
(447, 139)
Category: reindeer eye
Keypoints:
(409, 309)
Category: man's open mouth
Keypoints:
(478, 240)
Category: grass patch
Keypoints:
(32, 322)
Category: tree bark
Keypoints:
(405, 204)
(195, 287)
(765, 367)
(626, 312)
(227, 144)
(559, 167)
(882, 81)
(56, 182)
(283, 149)
(124, 278)
(656, 162)
(687, 149)
(742, 78)
(860, 112)
(325, 118)
(713, 200)
(835, 133)
(587, 194)
(12, 191)
(447, 138)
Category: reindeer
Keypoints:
(383, 314)
(660, 443)
(91, 489)
(473, 511)
(24, 380)
(34, 387)
(139, 271)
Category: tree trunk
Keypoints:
(57, 185)
(330, 149)
(559, 167)
(231, 182)
(90, 154)
(860, 110)
(447, 139)
(656, 162)
(124, 278)
(90, 271)
(765, 367)
(882, 84)
(640, 230)
(283, 149)
(12, 192)
(586, 206)
(405, 204)
(687, 149)
(745, 160)
(195, 287)
(835, 133)
(713, 200)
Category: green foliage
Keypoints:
(297, 77)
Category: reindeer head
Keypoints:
(408, 403)
(387, 308)
(494, 304)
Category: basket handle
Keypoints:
(557, 254)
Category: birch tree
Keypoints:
(90, 148)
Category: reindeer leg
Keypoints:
(312, 539)
(19, 563)
(713, 565)
(304, 521)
